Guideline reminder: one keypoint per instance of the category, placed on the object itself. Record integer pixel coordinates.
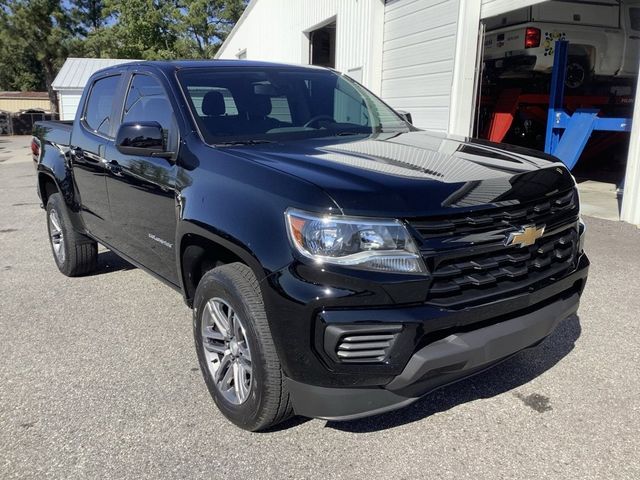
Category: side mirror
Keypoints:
(142, 138)
(406, 116)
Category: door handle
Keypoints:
(114, 167)
(635, 37)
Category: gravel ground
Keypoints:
(99, 378)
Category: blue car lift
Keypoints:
(567, 134)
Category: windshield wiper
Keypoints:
(242, 142)
(351, 132)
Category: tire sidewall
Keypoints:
(216, 284)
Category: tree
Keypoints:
(145, 29)
(38, 31)
(208, 22)
(89, 14)
(36, 36)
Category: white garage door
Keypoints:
(418, 57)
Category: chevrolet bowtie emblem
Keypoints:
(524, 237)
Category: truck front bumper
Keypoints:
(444, 361)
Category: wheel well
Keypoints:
(584, 51)
(47, 188)
(199, 255)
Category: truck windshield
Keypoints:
(248, 105)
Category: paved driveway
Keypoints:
(99, 379)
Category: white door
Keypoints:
(418, 59)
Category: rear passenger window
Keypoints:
(98, 108)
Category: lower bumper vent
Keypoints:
(360, 343)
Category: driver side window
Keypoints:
(147, 102)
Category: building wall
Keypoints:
(69, 101)
(277, 30)
(17, 104)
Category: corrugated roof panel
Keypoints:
(75, 72)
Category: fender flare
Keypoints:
(228, 242)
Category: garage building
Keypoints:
(71, 79)
(422, 56)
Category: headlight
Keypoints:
(383, 245)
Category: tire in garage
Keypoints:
(578, 74)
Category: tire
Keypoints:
(75, 254)
(234, 288)
(578, 73)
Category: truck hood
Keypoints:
(414, 174)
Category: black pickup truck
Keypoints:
(339, 261)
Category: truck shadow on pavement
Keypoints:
(109, 262)
(511, 374)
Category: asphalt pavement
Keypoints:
(99, 379)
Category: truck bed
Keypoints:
(58, 132)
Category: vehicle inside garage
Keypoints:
(560, 77)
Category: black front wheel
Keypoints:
(236, 353)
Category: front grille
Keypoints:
(554, 209)
(502, 271)
(470, 264)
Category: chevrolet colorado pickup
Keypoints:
(339, 261)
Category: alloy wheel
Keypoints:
(57, 237)
(226, 350)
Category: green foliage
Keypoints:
(34, 43)
(36, 36)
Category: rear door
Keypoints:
(142, 189)
(91, 137)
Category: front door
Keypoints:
(91, 137)
(142, 189)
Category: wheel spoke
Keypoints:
(219, 318)
(244, 351)
(54, 221)
(237, 327)
(219, 348)
(239, 380)
(209, 332)
(245, 368)
(227, 379)
(223, 368)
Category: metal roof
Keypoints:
(75, 72)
